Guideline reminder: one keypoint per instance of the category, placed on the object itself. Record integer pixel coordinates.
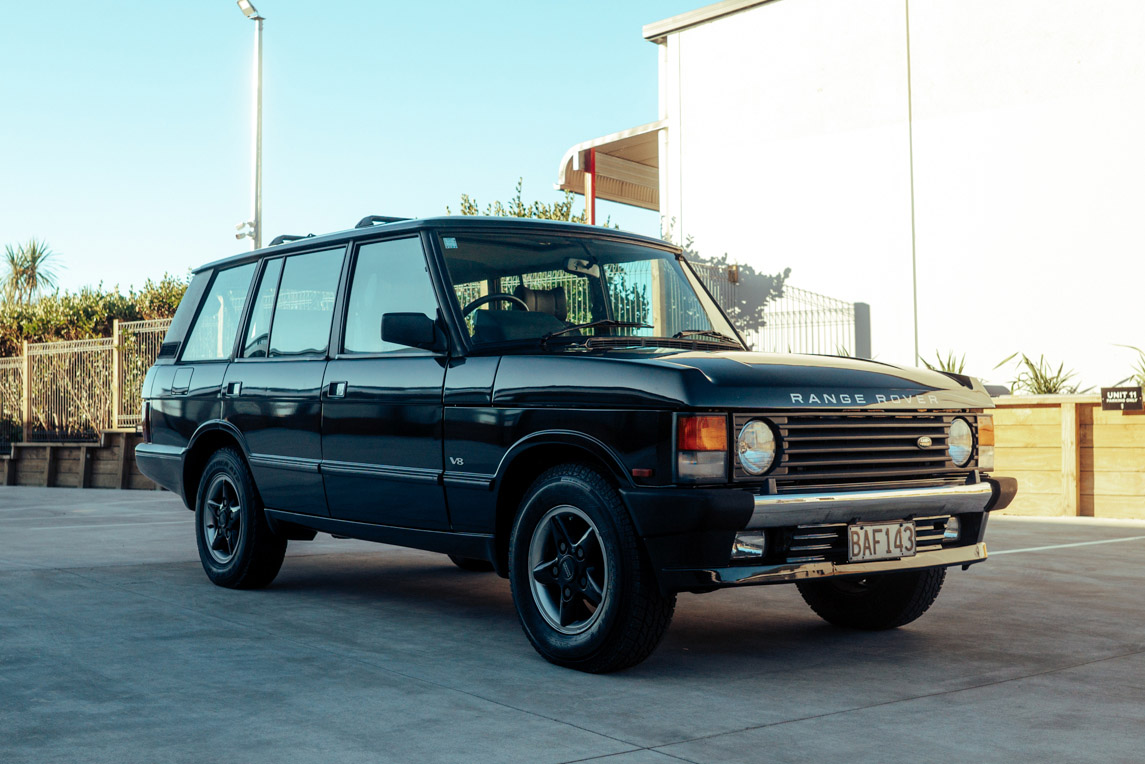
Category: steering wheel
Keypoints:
(499, 296)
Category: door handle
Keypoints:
(336, 390)
(233, 388)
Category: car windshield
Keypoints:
(537, 288)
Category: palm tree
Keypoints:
(30, 270)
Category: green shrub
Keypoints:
(86, 314)
(951, 362)
(1040, 378)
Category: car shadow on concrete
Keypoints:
(716, 635)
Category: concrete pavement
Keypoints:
(114, 647)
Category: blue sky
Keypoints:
(126, 136)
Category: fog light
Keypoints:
(750, 545)
(953, 527)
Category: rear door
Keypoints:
(272, 391)
(382, 404)
(186, 393)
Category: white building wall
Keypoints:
(788, 146)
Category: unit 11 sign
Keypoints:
(1121, 399)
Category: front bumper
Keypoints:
(872, 506)
(689, 533)
(737, 575)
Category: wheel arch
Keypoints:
(531, 456)
(210, 437)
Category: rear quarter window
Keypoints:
(212, 337)
(183, 315)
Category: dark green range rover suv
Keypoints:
(564, 405)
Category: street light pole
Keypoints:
(255, 232)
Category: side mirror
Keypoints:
(415, 330)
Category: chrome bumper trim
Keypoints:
(776, 511)
(787, 573)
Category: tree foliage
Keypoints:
(29, 271)
(517, 208)
(86, 314)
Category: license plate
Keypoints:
(880, 541)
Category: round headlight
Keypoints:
(960, 444)
(756, 447)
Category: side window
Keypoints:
(258, 331)
(305, 303)
(389, 277)
(213, 336)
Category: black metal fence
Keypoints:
(800, 321)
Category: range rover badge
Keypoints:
(925, 442)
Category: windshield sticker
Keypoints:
(449, 242)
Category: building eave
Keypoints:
(658, 30)
(627, 166)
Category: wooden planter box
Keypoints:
(1070, 457)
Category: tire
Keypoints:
(237, 547)
(884, 601)
(471, 564)
(584, 589)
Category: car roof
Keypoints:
(436, 223)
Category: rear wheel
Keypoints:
(471, 564)
(236, 545)
(883, 601)
(585, 592)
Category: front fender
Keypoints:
(566, 439)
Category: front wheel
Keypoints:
(236, 545)
(874, 603)
(583, 587)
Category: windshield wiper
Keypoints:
(609, 322)
(703, 333)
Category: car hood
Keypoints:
(732, 379)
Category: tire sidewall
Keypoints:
(226, 463)
(552, 492)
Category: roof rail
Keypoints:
(369, 220)
(284, 238)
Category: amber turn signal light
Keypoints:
(985, 430)
(702, 433)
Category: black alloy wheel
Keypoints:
(237, 548)
(584, 589)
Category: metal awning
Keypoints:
(622, 167)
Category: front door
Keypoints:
(382, 405)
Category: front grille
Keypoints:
(828, 543)
(863, 450)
